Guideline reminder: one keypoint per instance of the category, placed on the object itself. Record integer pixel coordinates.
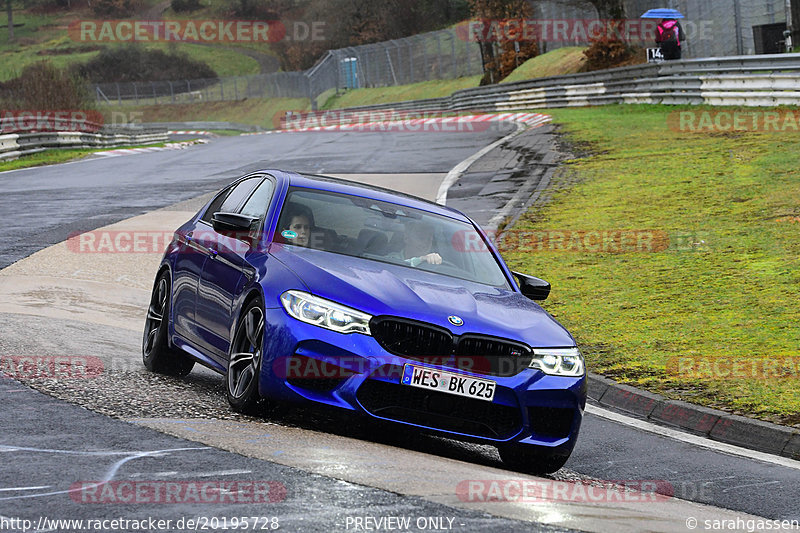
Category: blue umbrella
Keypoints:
(662, 14)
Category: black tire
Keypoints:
(244, 361)
(157, 355)
(531, 459)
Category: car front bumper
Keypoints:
(303, 362)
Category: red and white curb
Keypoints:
(130, 151)
(192, 132)
(443, 124)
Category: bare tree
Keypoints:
(501, 54)
(609, 9)
(10, 13)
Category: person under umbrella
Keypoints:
(669, 35)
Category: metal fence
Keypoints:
(752, 80)
(277, 85)
(714, 28)
(428, 56)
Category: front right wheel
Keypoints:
(244, 363)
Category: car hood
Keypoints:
(385, 289)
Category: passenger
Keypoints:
(298, 223)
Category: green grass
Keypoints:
(226, 133)
(414, 91)
(26, 26)
(567, 60)
(51, 157)
(225, 61)
(262, 112)
(41, 34)
(734, 295)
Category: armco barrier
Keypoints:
(203, 125)
(765, 80)
(15, 145)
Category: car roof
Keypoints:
(343, 186)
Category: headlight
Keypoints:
(325, 313)
(558, 361)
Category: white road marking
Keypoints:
(215, 474)
(692, 439)
(15, 489)
(751, 485)
(457, 171)
(110, 473)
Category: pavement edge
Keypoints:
(710, 423)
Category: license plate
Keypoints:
(434, 379)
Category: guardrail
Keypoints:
(766, 80)
(203, 125)
(14, 145)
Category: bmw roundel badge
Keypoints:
(455, 320)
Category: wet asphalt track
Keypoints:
(43, 206)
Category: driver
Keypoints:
(417, 245)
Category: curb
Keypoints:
(145, 150)
(531, 120)
(710, 423)
(192, 132)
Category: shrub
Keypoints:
(44, 86)
(115, 8)
(258, 9)
(182, 6)
(606, 53)
(135, 63)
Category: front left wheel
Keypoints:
(157, 355)
(244, 363)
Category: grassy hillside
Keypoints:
(718, 286)
(46, 37)
(568, 60)
(256, 111)
(414, 91)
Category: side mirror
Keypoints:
(532, 287)
(226, 223)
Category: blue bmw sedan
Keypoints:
(319, 290)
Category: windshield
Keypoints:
(387, 233)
